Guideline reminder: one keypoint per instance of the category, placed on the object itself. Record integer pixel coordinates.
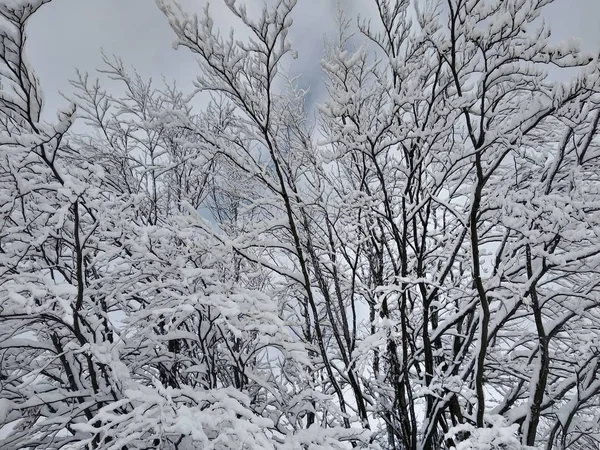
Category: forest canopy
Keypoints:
(414, 267)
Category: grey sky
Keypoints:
(70, 33)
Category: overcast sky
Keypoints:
(69, 34)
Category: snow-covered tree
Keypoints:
(417, 271)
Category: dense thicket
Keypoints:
(417, 271)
